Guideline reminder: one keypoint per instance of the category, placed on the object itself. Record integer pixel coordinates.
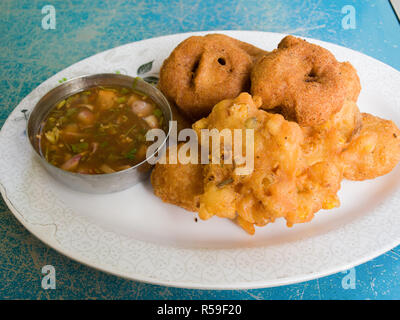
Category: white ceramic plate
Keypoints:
(134, 234)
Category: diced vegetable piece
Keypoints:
(71, 133)
(141, 154)
(158, 113)
(61, 104)
(87, 106)
(95, 146)
(251, 123)
(224, 183)
(131, 154)
(106, 169)
(121, 100)
(86, 117)
(130, 130)
(124, 90)
(72, 163)
(79, 147)
(106, 99)
(152, 121)
(142, 108)
(53, 135)
(70, 112)
(123, 167)
(133, 97)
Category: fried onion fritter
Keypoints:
(328, 140)
(179, 184)
(282, 185)
(297, 170)
(374, 152)
(264, 194)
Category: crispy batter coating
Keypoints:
(201, 71)
(351, 81)
(374, 152)
(179, 184)
(328, 140)
(304, 80)
(181, 120)
(297, 170)
(283, 183)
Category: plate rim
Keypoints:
(184, 285)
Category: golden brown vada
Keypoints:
(351, 81)
(203, 70)
(304, 80)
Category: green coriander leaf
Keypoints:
(158, 113)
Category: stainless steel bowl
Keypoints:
(96, 183)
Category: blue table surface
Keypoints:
(29, 55)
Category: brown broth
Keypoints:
(100, 130)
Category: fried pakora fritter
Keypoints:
(304, 80)
(374, 152)
(328, 140)
(179, 184)
(202, 71)
(297, 170)
(282, 183)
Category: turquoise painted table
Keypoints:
(30, 54)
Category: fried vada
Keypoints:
(203, 70)
(304, 80)
(351, 81)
